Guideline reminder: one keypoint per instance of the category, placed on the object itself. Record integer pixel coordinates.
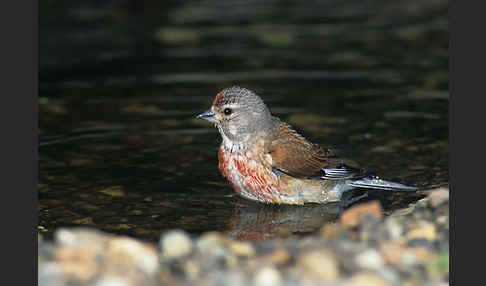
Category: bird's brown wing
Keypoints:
(294, 155)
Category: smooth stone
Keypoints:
(353, 216)
(279, 256)
(267, 276)
(241, 248)
(392, 251)
(79, 263)
(111, 281)
(175, 244)
(192, 268)
(318, 264)
(369, 259)
(424, 230)
(438, 197)
(367, 279)
(133, 253)
(393, 228)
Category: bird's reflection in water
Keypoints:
(258, 221)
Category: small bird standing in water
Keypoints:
(266, 160)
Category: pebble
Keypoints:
(420, 254)
(230, 277)
(369, 259)
(134, 253)
(192, 269)
(367, 279)
(392, 251)
(424, 230)
(393, 228)
(111, 281)
(213, 246)
(400, 250)
(210, 239)
(437, 197)
(329, 231)
(241, 248)
(279, 256)
(353, 216)
(319, 264)
(77, 262)
(175, 244)
(81, 237)
(267, 276)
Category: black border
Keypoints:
(467, 46)
(19, 26)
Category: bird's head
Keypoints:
(240, 115)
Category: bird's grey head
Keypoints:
(240, 115)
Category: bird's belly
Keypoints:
(254, 180)
(248, 176)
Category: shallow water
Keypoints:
(121, 82)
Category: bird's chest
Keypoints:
(249, 174)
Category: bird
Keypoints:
(267, 160)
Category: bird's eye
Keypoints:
(227, 111)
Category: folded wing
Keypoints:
(293, 154)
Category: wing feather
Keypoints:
(293, 154)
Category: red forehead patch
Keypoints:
(218, 98)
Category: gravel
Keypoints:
(362, 248)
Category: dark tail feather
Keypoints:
(373, 182)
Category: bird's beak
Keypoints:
(208, 115)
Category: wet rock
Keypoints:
(85, 256)
(192, 268)
(329, 231)
(318, 265)
(438, 197)
(210, 239)
(420, 255)
(76, 262)
(394, 230)
(353, 216)
(231, 277)
(242, 248)
(175, 244)
(111, 281)
(267, 276)
(367, 279)
(279, 256)
(392, 251)
(81, 238)
(390, 274)
(369, 259)
(133, 254)
(213, 246)
(423, 229)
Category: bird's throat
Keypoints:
(228, 144)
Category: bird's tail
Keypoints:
(373, 182)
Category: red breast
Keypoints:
(247, 175)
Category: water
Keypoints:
(121, 83)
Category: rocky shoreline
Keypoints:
(410, 247)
